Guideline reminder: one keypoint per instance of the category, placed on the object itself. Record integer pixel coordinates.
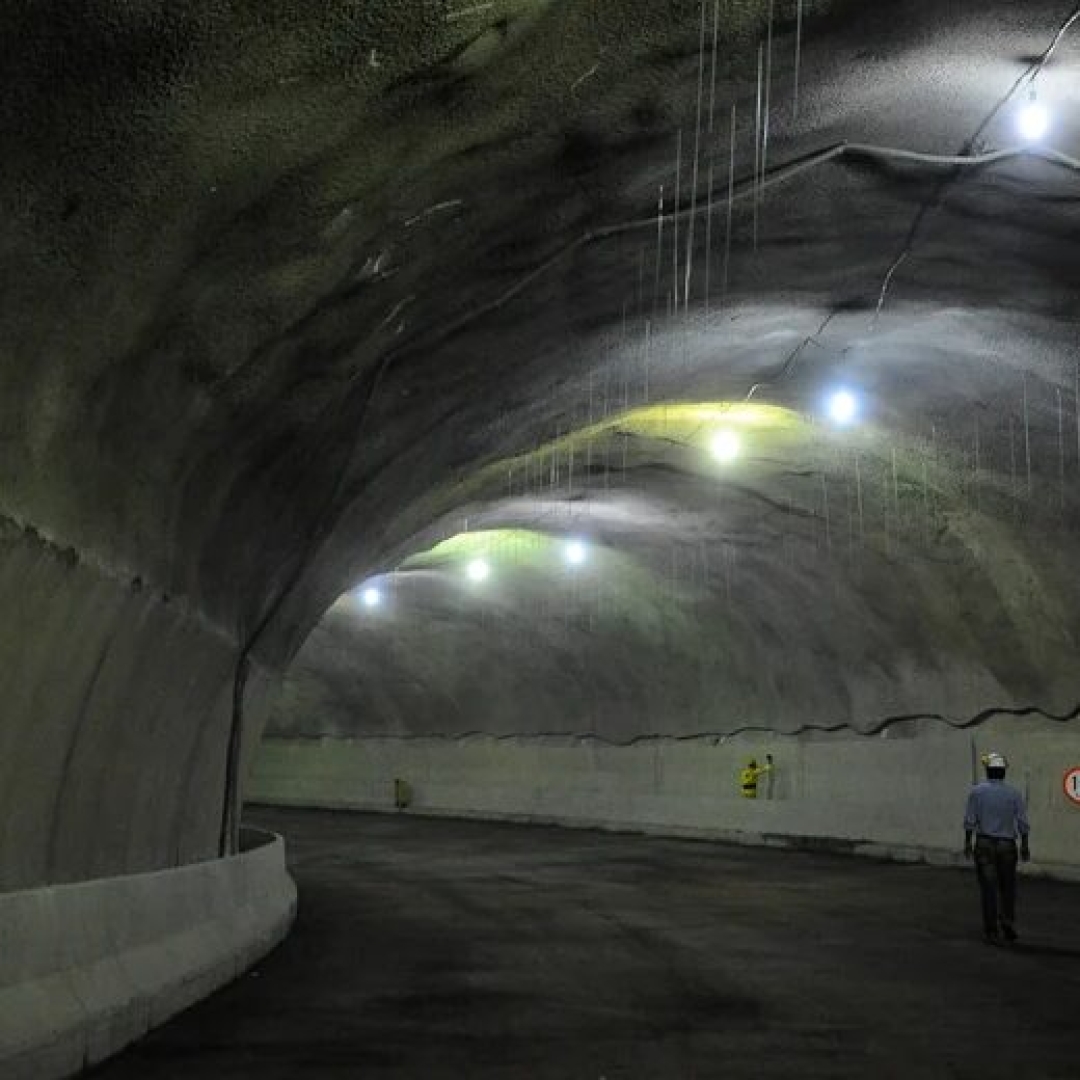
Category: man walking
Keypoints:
(996, 816)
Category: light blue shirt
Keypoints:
(996, 809)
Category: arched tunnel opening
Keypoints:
(429, 426)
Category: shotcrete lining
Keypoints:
(227, 274)
(393, 305)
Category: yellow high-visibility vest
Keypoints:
(748, 779)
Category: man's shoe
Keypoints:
(1008, 932)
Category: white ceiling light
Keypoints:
(576, 553)
(478, 571)
(1033, 122)
(371, 597)
(843, 407)
(725, 446)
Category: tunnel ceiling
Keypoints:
(303, 296)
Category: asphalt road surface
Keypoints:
(429, 949)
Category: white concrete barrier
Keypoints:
(87, 968)
(900, 796)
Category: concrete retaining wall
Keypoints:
(117, 709)
(894, 796)
(86, 969)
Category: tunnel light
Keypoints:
(478, 571)
(725, 446)
(576, 553)
(371, 597)
(1033, 121)
(843, 407)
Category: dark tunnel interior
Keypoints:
(531, 410)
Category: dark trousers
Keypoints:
(995, 865)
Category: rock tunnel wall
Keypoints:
(287, 295)
(626, 693)
(265, 317)
(705, 639)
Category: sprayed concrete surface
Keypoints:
(296, 292)
(300, 297)
(449, 949)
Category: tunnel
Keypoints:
(448, 446)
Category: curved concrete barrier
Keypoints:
(87, 968)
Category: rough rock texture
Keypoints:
(287, 286)
(916, 567)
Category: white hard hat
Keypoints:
(995, 760)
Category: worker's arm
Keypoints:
(970, 821)
(1023, 828)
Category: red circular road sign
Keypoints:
(1071, 784)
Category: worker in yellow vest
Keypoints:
(749, 775)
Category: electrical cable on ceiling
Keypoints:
(875, 729)
(745, 189)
